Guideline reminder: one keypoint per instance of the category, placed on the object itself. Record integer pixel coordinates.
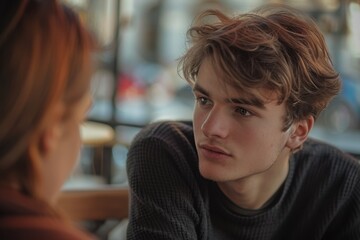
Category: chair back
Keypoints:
(100, 203)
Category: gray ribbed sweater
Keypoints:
(320, 199)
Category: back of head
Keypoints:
(45, 58)
(274, 47)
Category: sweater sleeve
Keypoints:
(346, 224)
(163, 189)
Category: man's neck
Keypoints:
(253, 192)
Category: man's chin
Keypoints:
(213, 174)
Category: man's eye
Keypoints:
(202, 100)
(242, 111)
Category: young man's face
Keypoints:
(236, 139)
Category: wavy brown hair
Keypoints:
(45, 58)
(274, 47)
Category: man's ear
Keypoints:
(299, 132)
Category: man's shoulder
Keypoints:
(160, 148)
(169, 124)
(328, 160)
(166, 131)
(320, 149)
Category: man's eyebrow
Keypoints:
(253, 101)
(198, 88)
(248, 101)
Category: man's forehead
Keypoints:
(234, 90)
(261, 93)
(257, 97)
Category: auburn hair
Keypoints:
(45, 58)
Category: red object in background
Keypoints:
(129, 87)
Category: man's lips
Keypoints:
(214, 149)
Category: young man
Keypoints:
(245, 168)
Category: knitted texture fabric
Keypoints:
(320, 198)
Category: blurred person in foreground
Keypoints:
(244, 168)
(45, 69)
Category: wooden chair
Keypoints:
(95, 204)
(100, 138)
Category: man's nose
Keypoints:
(215, 124)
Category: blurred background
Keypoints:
(136, 81)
